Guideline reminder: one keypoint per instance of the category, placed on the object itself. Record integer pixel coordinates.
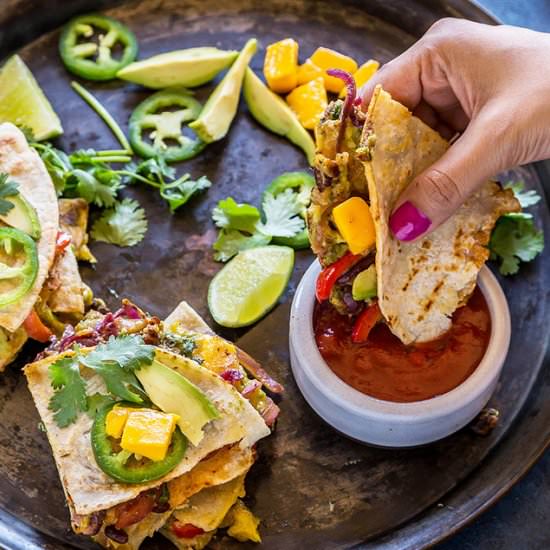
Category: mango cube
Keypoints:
(363, 74)
(308, 71)
(115, 421)
(309, 102)
(354, 222)
(148, 433)
(325, 58)
(281, 66)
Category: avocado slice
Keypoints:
(272, 112)
(191, 67)
(22, 216)
(364, 285)
(173, 393)
(220, 109)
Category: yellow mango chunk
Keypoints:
(354, 222)
(281, 66)
(148, 433)
(115, 421)
(308, 71)
(363, 74)
(325, 58)
(244, 524)
(309, 102)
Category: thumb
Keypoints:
(434, 195)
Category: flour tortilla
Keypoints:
(65, 285)
(87, 488)
(421, 284)
(26, 168)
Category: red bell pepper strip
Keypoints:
(62, 242)
(328, 277)
(36, 329)
(365, 323)
(185, 530)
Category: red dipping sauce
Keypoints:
(385, 368)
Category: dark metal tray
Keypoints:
(311, 486)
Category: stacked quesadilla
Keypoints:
(153, 426)
(363, 163)
(40, 286)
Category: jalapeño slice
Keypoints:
(18, 264)
(301, 183)
(94, 60)
(162, 115)
(122, 465)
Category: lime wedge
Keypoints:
(23, 103)
(250, 285)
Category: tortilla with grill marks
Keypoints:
(422, 283)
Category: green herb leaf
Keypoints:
(8, 188)
(281, 214)
(229, 214)
(183, 344)
(124, 225)
(96, 402)
(97, 186)
(525, 198)
(178, 195)
(515, 238)
(115, 362)
(231, 242)
(69, 398)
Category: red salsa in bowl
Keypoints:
(385, 368)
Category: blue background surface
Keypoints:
(521, 520)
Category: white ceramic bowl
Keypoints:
(385, 423)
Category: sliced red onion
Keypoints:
(351, 92)
(251, 387)
(270, 414)
(255, 369)
(232, 375)
(128, 310)
(118, 535)
(107, 326)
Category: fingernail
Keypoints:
(407, 222)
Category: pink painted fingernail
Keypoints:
(407, 222)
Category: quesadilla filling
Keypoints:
(363, 163)
(163, 416)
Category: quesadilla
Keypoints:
(40, 286)
(167, 426)
(363, 163)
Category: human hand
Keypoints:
(491, 84)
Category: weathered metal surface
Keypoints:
(311, 486)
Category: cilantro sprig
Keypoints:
(515, 237)
(8, 188)
(123, 225)
(115, 361)
(241, 225)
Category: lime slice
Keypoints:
(250, 285)
(23, 103)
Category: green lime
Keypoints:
(23, 103)
(250, 285)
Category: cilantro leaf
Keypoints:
(69, 398)
(281, 214)
(8, 188)
(525, 198)
(177, 195)
(115, 362)
(515, 238)
(229, 214)
(183, 344)
(124, 225)
(97, 185)
(96, 402)
(230, 242)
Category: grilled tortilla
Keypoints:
(24, 165)
(87, 487)
(421, 284)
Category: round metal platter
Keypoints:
(311, 486)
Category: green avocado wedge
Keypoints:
(189, 68)
(220, 109)
(173, 393)
(272, 112)
(23, 217)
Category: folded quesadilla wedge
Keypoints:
(52, 290)
(120, 514)
(368, 274)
